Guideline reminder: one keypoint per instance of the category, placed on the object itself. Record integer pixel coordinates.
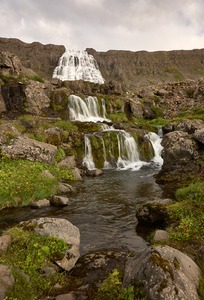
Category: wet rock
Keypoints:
(40, 203)
(65, 188)
(95, 172)
(26, 148)
(59, 201)
(164, 273)
(5, 242)
(62, 229)
(6, 280)
(153, 212)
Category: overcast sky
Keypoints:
(106, 24)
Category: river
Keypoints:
(103, 208)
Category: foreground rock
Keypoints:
(26, 148)
(62, 229)
(6, 280)
(164, 273)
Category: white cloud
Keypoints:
(106, 24)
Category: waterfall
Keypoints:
(88, 157)
(128, 157)
(76, 65)
(87, 110)
(156, 144)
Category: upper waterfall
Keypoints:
(76, 65)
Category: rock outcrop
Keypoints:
(40, 58)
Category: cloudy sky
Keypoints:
(106, 24)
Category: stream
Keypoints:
(103, 208)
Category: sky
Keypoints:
(104, 25)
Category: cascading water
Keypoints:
(87, 110)
(76, 65)
(122, 154)
(155, 140)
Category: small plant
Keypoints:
(27, 257)
(112, 289)
(60, 154)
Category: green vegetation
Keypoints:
(118, 117)
(28, 256)
(188, 213)
(22, 181)
(112, 289)
(196, 113)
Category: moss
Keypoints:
(163, 263)
(27, 257)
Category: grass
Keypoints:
(27, 257)
(22, 181)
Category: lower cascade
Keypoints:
(118, 149)
(110, 147)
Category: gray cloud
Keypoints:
(106, 24)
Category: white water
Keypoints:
(155, 140)
(87, 110)
(88, 157)
(78, 65)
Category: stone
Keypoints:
(40, 203)
(69, 296)
(199, 135)
(164, 273)
(53, 136)
(25, 148)
(76, 173)
(6, 281)
(61, 229)
(59, 200)
(160, 235)
(36, 99)
(68, 161)
(5, 242)
(152, 212)
(65, 188)
(47, 174)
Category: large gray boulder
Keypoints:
(25, 148)
(61, 229)
(179, 148)
(164, 273)
(6, 280)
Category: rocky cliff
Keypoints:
(141, 68)
(40, 58)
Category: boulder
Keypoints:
(40, 203)
(53, 136)
(68, 161)
(69, 296)
(37, 100)
(5, 242)
(61, 229)
(164, 273)
(25, 148)
(152, 213)
(65, 188)
(199, 135)
(160, 235)
(189, 126)
(59, 201)
(179, 148)
(6, 280)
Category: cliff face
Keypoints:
(40, 58)
(134, 69)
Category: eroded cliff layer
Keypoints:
(141, 68)
(40, 58)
